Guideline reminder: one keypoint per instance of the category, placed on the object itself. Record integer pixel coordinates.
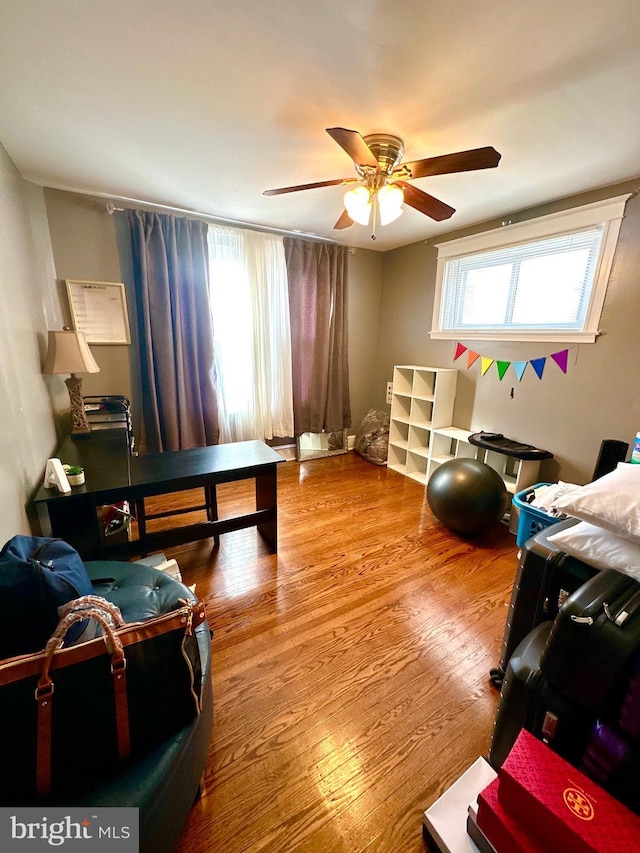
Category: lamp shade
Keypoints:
(68, 352)
(390, 199)
(357, 203)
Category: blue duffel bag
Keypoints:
(38, 575)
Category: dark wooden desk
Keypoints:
(113, 475)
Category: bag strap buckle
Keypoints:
(118, 665)
(43, 692)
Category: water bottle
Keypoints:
(635, 453)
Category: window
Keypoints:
(252, 337)
(542, 280)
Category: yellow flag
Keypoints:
(486, 364)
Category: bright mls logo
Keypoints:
(80, 829)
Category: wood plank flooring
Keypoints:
(350, 670)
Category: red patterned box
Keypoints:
(501, 828)
(563, 806)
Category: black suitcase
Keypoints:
(612, 756)
(593, 642)
(528, 700)
(545, 578)
(629, 716)
(612, 761)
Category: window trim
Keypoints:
(608, 213)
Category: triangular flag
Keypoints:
(459, 350)
(560, 359)
(502, 366)
(538, 365)
(472, 357)
(486, 364)
(519, 367)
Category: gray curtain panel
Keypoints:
(171, 274)
(318, 305)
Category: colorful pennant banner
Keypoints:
(561, 358)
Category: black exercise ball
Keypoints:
(467, 496)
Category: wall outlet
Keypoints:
(389, 392)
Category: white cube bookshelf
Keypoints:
(422, 402)
(516, 473)
(421, 435)
(450, 443)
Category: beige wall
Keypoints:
(569, 415)
(30, 302)
(48, 236)
(83, 237)
(391, 299)
(88, 243)
(365, 293)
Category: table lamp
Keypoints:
(68, 352)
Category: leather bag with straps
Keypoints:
(77, 710)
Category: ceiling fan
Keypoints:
(382, 178)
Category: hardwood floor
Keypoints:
(350, 670)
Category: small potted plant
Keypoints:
(75, 474)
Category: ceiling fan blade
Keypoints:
(425, 203)
(354, 145)
(345, 221)
(335, 183)
(461, 161)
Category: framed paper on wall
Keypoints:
(99, 309)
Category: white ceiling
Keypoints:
(202, 105)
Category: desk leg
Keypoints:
(141, 517)
(76, 521)
(267, 498)
(211, 502)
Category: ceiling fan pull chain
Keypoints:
(374, 215)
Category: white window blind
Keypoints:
(543, 285)
(543, 279)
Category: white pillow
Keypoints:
(599, 548)
(612, 502)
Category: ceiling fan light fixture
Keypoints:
(382, 178)
(390, 200)
(357, 203)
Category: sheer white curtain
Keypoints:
(252, 337)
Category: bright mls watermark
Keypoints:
(78, 828)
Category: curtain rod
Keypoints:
(111, 208)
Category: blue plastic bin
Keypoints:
(531, 520)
